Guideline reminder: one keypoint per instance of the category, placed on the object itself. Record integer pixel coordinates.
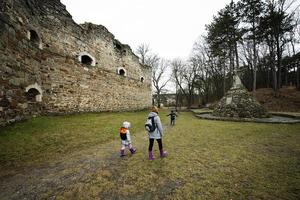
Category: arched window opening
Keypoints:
(118, 46)
(32, 95)
(121, 71)
(142, 79)
(86, 60)
(34, 37)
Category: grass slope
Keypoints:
(207, 159)
(288, 99)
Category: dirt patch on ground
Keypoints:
(54, 179)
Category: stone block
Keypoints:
(13, 104)
(23, 105)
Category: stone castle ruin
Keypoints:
(51, 65)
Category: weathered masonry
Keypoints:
(51, 65)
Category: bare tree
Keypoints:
(294, 40)
(159, 78)
(159, 69)
(176, 66)
(209, 72)
(186, 76)
(143, 51)
(251, 13)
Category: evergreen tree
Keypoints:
(275, 24)
(222, 38)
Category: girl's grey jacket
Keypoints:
(158, 132)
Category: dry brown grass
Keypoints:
(207, 160)
(287, 101)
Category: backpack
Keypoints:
(123, 133)
(173, 115)
(150, 125)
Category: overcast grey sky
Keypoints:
(170, 27)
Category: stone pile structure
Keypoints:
(51, 65)
(238, 103)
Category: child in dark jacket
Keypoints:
(173, 116)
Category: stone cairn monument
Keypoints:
(238, 103)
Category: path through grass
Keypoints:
(207, 160)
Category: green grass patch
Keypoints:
(207, 159)
(40, 139)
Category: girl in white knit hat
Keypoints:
(125, 139)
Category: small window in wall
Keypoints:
(33, 93)
(121, 71)
(142, 79)
(86, 59)
(34, 38)
(118, 46)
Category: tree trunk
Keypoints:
(206, 90)
(231, 61)
(298, 76)
(286, 76)
(268, 78)
(274, 73)
(278, 52)
(236, 57)
(158, 100)
(273, 66)
(275, 87)
(177, 97)
(254, 66)
(190, 101)
(224, 80)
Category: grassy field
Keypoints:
(207, 159)
(44, 138)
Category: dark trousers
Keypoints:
(172, 121)
(151, 142)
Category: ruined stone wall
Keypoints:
(50, 64)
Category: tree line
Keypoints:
(257, 39)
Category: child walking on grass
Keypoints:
(155, 132)
(173, 116)
(125, 139)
